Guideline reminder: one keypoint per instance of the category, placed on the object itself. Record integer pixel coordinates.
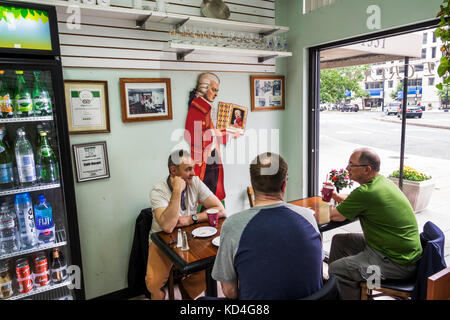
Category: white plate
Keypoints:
(204, 232)
(216, 241)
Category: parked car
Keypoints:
(392, 108)
(411, 112)
(349, 107)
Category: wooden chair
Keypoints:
(251, 196)
(438, 287)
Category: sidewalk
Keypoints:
(440, 123)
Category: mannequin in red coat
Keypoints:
(203, 137)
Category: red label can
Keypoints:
(41, 274)
(24, 276)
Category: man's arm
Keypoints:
(230, 290)
(212, 202)
(168, 217)
(336, 216)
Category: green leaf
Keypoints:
(439, 86)
(24, 13)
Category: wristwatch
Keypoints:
(194, 218)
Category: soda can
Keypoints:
(41, 273)
(23, 274)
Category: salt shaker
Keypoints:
(185, 245)
(179, 239)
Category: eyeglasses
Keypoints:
(356, 165)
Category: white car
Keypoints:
(392, 108)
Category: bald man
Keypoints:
(390, 243)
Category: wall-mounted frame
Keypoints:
(145, 99)
(91, 161)
(267, 93)
(87, 106)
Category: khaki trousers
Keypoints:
(158, 269)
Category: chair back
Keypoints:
(438, 285)
(432, 260)
(251, 196)
(329, 291)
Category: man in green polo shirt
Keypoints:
(390, 242)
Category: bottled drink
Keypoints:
(43, 216)
(6, 163)
(41, 99)
(46, 163)
(24, 210)
(23, 103)
(9, 235)
(6, 105)
(59, 267)
(6, 288)
(25, 159)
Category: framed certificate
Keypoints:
(91, 161)
(87, 106)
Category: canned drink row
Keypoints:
(34, 272)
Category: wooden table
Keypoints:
(322, 216)
(200, 256)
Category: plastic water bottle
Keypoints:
(25, 159)
(45, 227)
(9, 234)
(24, 211)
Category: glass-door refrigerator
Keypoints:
(40, 256)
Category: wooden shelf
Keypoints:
(184, 49)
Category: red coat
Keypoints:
(198, 122)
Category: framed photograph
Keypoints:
(267, 93)
(87, 106)
(91, 161)
(145, 99)
(231, 117)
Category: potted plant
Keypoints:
(340, 179)
(417, 187)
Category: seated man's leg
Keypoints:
(345, 245)
(158, 269)
(194, 284)
(344, 265)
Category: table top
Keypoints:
(322, 215)
(201, 253)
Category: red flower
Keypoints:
(335, 178)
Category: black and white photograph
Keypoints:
(267, 93)
(145, 99)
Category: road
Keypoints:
(426, 149)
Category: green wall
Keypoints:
(138, 152)
(343, 19)
(107, 208)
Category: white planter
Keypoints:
(418, 193)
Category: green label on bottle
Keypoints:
(24, 103)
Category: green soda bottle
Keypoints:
(23, 103)
(46, 164)
(6, 105)
(6, 163)
(41, 99)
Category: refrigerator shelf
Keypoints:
(60, 240)
(41, 186)
(28, 119)
(41, 290)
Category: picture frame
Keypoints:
(91, 161)
(146, 99)
(267, 93)
(87, 106)
(229, 119)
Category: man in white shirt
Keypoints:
(174, 202)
